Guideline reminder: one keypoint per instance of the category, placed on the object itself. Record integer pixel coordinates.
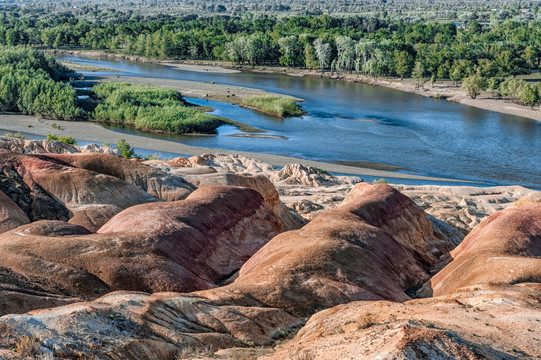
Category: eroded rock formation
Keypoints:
(505, 248)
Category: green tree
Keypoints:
(291, 51)
(474, 85)
(529, 95)
(402, 61)
(127, 151)
(418, 74)
(323, 53)
(310, 57)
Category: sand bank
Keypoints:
(95, 133)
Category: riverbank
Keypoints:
(94, 133)
(202, 90)
(442, 89)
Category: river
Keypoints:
(354, 122)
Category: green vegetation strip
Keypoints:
(273, 105)
(82, 67)
(154, 109)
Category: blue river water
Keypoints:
(351, 122)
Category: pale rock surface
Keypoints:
(463, 207)
(23, 146)
(297, 174)
(479, 323)
(130, 325)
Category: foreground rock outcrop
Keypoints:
(155, 182)
(186, 245)
(504, 249)
(49, 189)
(19, 294)
(138, 273)
(479, 323)
(344, 255)
(377, 245)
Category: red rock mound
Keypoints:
(386, 208)
(153, 181)
(363, 250)
(11, 216)
(504, 248)
(47, 188)
(186, 245)
(259, 183)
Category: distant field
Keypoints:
(534, 76)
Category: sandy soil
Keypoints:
(93, 132)
(200, 68)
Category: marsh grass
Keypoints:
(273, 105)
(150, 109)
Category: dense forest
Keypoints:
(479, 55)
(417, 10)
(364, 44)
(30, 83)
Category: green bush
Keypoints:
(150, 109)
(127, 151)
(64, 139)
(273, 105)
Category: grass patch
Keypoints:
(273, 105)
(150, 109)
(81, 67)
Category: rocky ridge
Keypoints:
(268, 283)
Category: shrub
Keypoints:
(9, 135)
(380, 181)
(28, 346)
(127, 151)
(474, 85)
(65, 139)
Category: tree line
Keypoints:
(31, 83)
(367, 45)
(361, 44)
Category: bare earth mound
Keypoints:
(504, 249)
(186, 245)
